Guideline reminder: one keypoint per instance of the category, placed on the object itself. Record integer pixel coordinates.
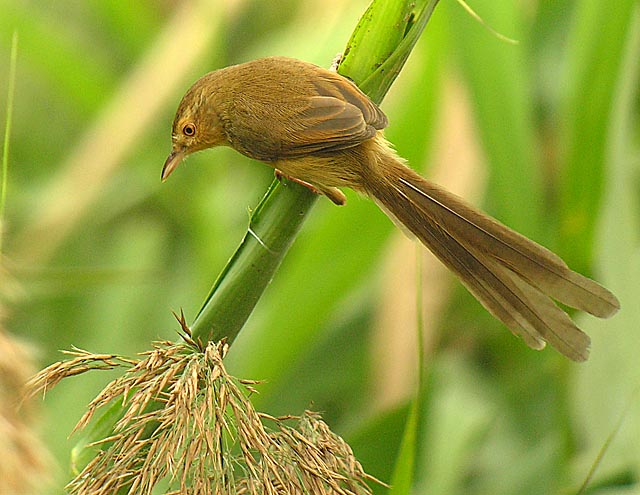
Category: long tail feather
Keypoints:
(513, 277)
(539, 266)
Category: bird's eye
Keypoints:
(189, 130)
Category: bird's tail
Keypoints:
(513, 277)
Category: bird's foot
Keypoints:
(333, 193)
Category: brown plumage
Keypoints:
(316, 127)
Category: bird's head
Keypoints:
(196, 125)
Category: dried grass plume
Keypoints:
(24, 466)
(179, 422)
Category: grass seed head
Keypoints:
(184, 425)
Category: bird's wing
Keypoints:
(338, 116)
(296, 109)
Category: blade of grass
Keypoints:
(50, 48)
(11, 86)
(607, 443)
(595, 50)
(481, 21)
(496, 75)
(456, 417)
(610, 379)
(404, 470)
(88, 167)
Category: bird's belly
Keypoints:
(335, 170)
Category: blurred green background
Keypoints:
(544, 134)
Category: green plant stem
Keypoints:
(273, 227)
(374, 56)
(382, 42)
(11, 85)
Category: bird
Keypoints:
(316, 127)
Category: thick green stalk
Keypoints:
(273, 226)
(374, 56)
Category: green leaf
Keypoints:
(85, 450)
(595, 49)
(606, 389)
(403, 473)
(500, 93)
(456, 417)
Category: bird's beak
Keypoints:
(173, 160)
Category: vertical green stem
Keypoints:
(273, 227)
(11, 85)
